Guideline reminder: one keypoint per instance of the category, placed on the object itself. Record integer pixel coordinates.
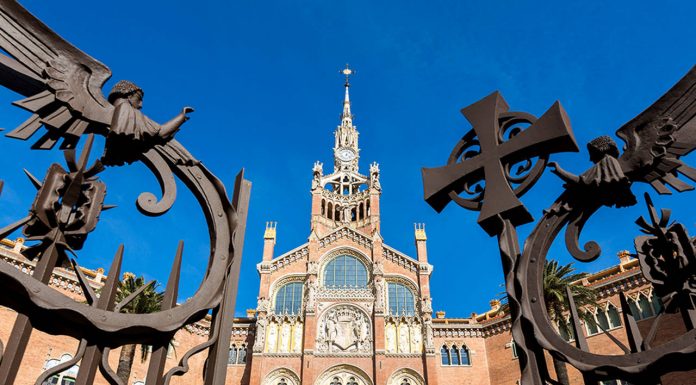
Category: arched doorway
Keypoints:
(344, 375)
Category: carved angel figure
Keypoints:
(655, 140)
(63, 90)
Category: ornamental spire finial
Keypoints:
(347, 72)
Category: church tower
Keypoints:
(345, 197)
(344, 307)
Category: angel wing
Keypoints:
(659, 136)
(62, 84)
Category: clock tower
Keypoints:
(345, 197)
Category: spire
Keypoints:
(346, 116)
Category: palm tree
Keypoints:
(149, 301)
(556, 280)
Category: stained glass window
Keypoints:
(289, 298)
(400, 300)
(345, 271)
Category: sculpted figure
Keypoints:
(605, 177)
(403, 338)
(311, 296)
(285, 338)
(429, 334)
(416, 337)
(297, 338)
(379, 294)
(272, 337)
(391, 338)
(260, 337)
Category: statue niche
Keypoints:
(344, 329)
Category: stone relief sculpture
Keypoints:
(297, 338)
(344, 329)
(428, 327)
(260, 338)
(416, 338)
(379, 294)
(272, 337)
(391, 337)
(262, 304)
(427, 306)
(374, 176)
(311, 295)
(285, 334)
(317, 172)
(404, 339)
(312, 268)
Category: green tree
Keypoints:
(149, 301)
(556, 279)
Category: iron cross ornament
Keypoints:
(493, 162)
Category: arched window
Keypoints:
(602, 319)
(444, 355)
(289, 298)
(645, 306)
(242, 354)
(361, 212)
(345, 271)
(656, 304)
(464, 356)
(613, 315)
(323, 207)
(329, 210)
(454, 355)
(232, 356)
(566, 331)
(401, 300)
(237, 355)
(591, 325)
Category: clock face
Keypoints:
(346, 154)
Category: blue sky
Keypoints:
(263, 77)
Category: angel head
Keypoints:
(125, 89)
(602, 146)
